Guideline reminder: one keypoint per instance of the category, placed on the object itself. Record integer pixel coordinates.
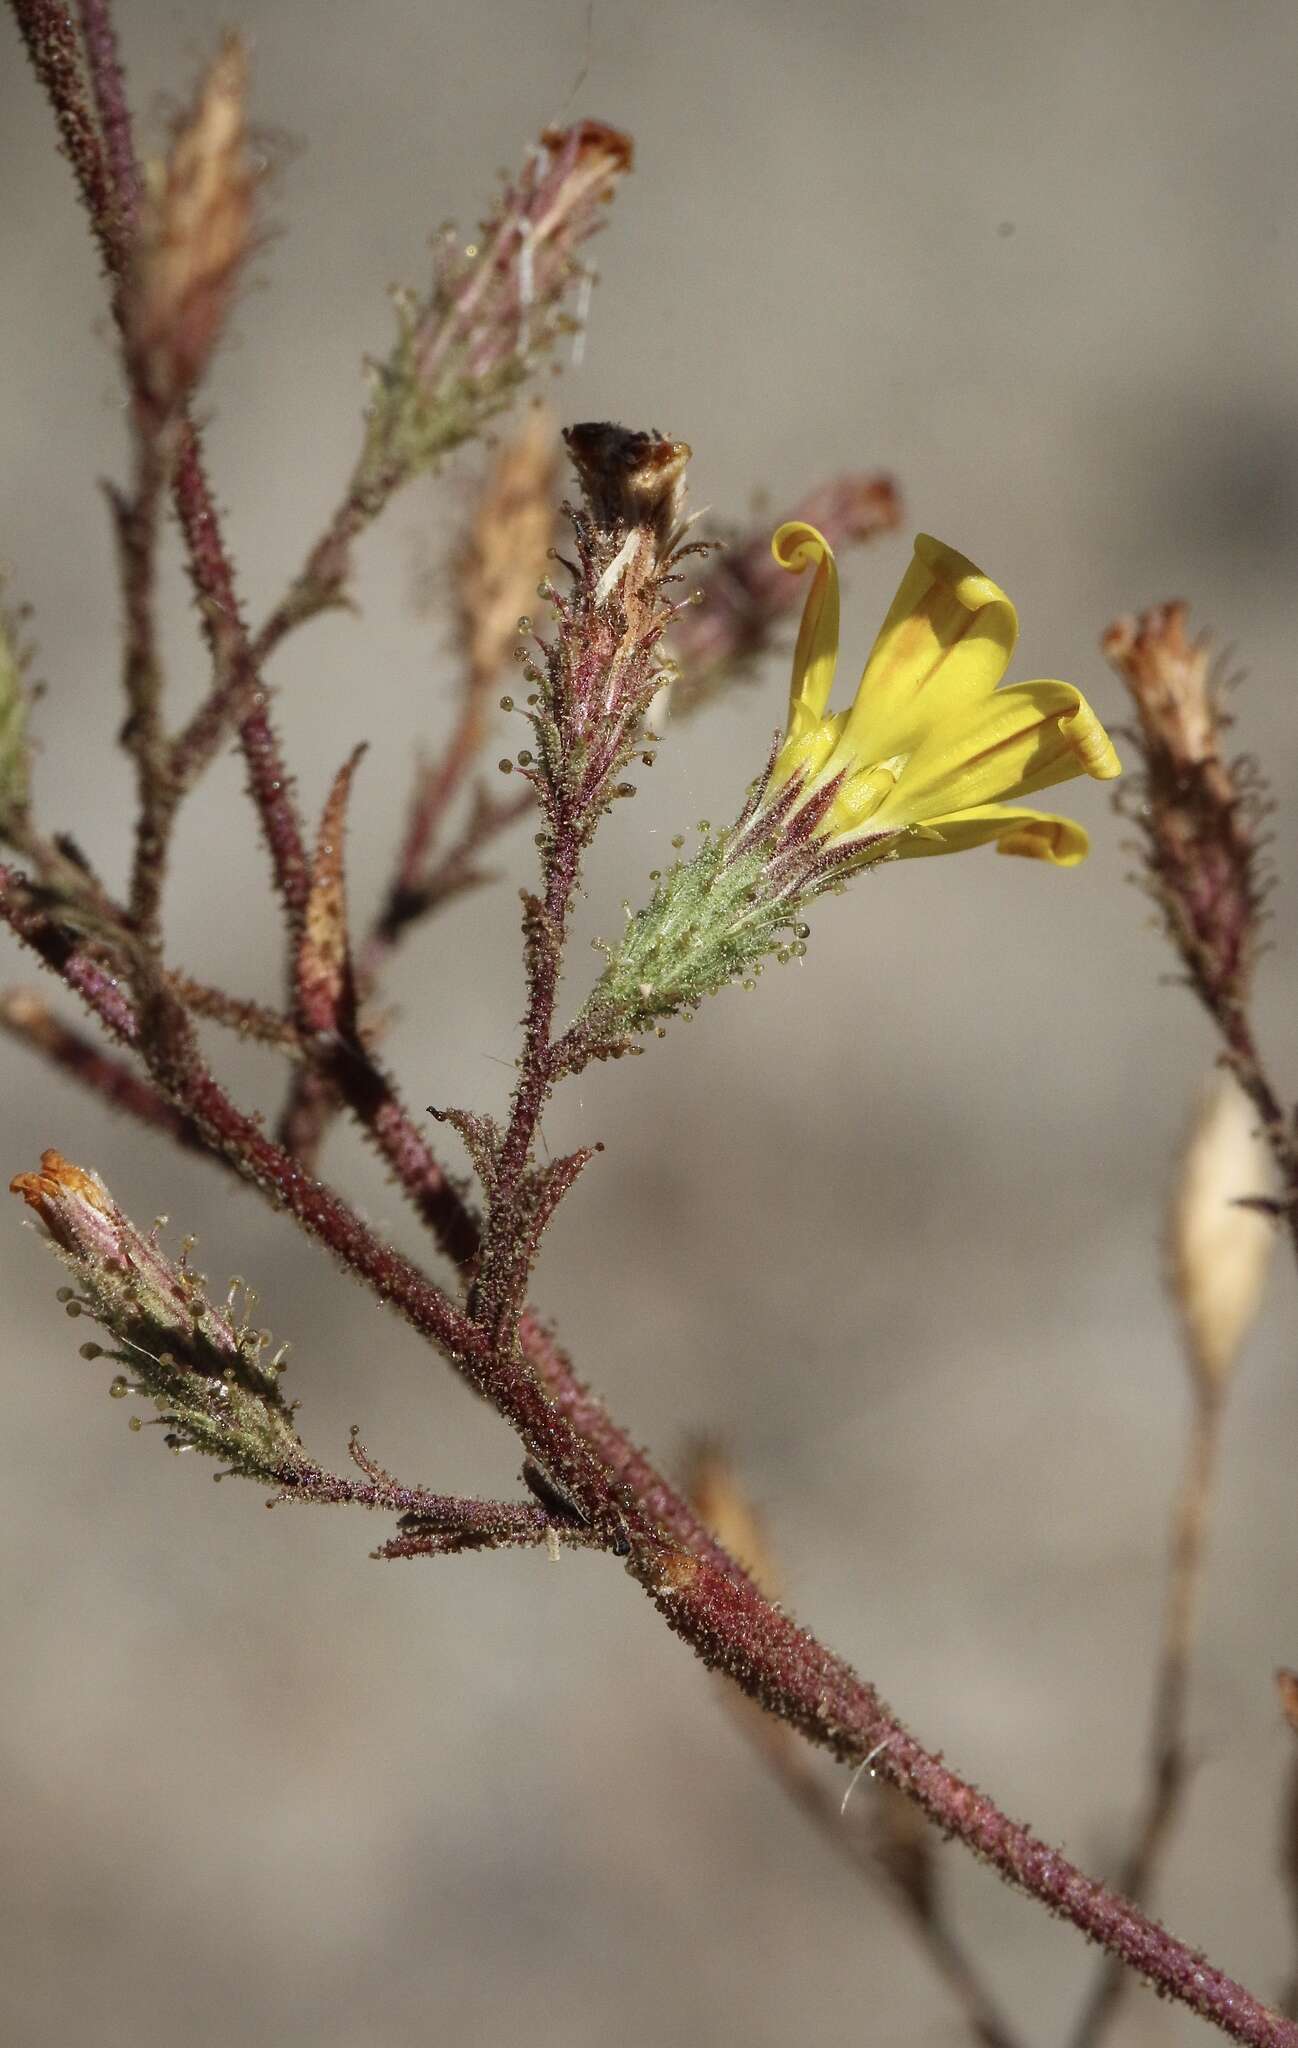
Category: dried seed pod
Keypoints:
(1220, 1246)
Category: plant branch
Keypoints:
(136, 521)
(236, 697)
(239, 696)
(100, 41)
(27, 1018)
(432, 1524)
(731, 1628)
(716, 1609)
(1169, 1763)
(586, 731)
(53, 47)
(822, 1806)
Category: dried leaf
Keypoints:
(326, 991)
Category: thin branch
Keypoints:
(136, 521)
(432, 1524)
(52, 44)
(1169, 1762)
(731, 1628)
(108, 86)
(26, 1017)
(822, 1805)
(239, 697)
(48, 31)
(240, 1014)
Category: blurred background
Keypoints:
(890, 1225)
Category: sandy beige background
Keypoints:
(889, 1224)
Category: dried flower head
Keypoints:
(195, 231)
(498, 303)
(630, 478)
(1171, 682)
(601, 669)
(1198, 822)
(205, 1372)
(924, 761)
(1220, 1244)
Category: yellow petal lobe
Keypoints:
(944, 646)
(797, 546)
(1036, 835)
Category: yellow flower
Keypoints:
(930, 751)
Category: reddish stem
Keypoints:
(27, 1018)
(732, 1628)
(238, 693)
(108, 86)
(48, 31)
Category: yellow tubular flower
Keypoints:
(931, 750)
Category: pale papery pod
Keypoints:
(1220, 1245)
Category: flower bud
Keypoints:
(496, 306)
(203, 1370)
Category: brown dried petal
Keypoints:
(1169, 676)
(325, 987)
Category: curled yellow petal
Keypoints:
(1036, 835)
(797, 546)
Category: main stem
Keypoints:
(496, 1296)
(734, 1629)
